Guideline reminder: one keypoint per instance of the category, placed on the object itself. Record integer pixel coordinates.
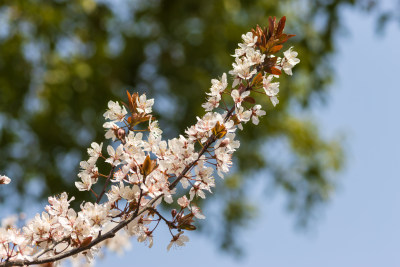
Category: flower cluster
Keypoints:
(145, 170)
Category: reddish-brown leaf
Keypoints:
(257, 79)
(129, 95)
(275, 49)
(275, 71)
(271, 26)
(284, 37)
(281, 26)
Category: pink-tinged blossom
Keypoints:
(207, 122)
(168, 195)
(86, 183)
(9, 222)
(114, 194)
(4, 179)
(212, 103)
(39, 229)
(254, 56)
(147, 238)
(112, 129)
(242, 69)
(218, 86)
(197, 190)
(249, 39)
(241, 50)
(154, 128)
(229, 143)
(96, 215)
(134, 144)
(89, 172)
(289, 61)
(193, 133)
(178, 241)
(271, 89)
(243, 116)
(236, 81)
(130, 193)
(115, 112)
(197, 212)
(59, 205)
(95, 150)
(224, 161)
(144, 105)
(203, 172)
(238, 98)
(116, 156)
(183, 202)
(274, 100)
(255, 113)
(89, 166)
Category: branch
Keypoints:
(210, 140)
(99, 239)
(105, 185)
(258, 45)
(122, 224)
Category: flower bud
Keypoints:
(121, 135)
(173, 212)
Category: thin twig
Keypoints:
(105, 185)
(209, 141)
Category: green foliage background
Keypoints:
(62, 61)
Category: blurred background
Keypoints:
(314, 184)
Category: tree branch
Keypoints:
(74, 251)
(105, 185)
(210, 140)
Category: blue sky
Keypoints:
(360, 226)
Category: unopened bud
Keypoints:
(121, 135)
(173, 212)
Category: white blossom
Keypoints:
(116, 156)
(183, 202)
(197, 212)
(95, 150)
(255, 113)
(271, 89)
(4, 179)
(178, 241)
(144, 105)
(289, 61)
(238, 98)
(249, 39)
(115, 112)
(242, 69)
